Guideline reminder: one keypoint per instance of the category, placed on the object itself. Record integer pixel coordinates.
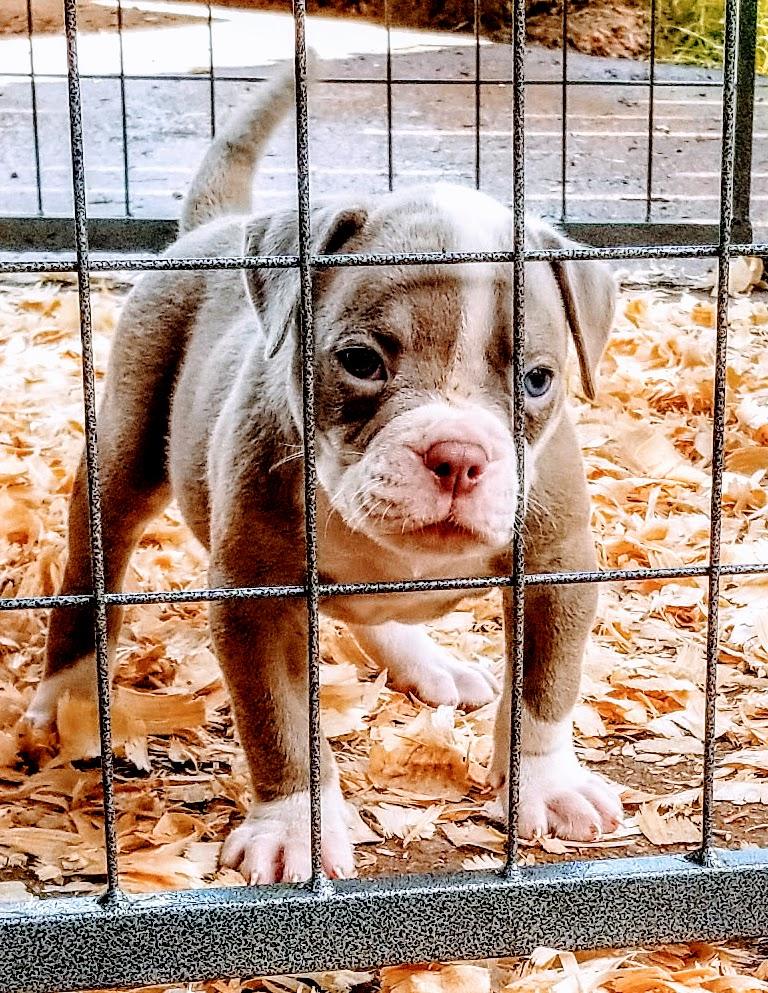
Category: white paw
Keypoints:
(559, 797)
(441, 680)
(36, 729)
(78, 679)
(273, 845)
(416, 664)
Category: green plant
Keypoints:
(691, 32)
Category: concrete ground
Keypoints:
(168, 120)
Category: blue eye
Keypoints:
(538, 381)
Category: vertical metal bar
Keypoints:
(477, 93)
(651, 111)
(123, 112)
(91, 443)
(745, 113)
(515, 612)
(33, 97)
(564, 113)
(718, 415)
(390, 161)
(308, 409)
(211, 74)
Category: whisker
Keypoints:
(288, 458)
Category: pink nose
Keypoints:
(457, 465)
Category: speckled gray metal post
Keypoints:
(179, 937)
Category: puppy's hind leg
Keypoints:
(416, 664)
(69, 659)
(133, 483)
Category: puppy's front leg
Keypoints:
(557, 794)
(416, 664)
(262, 648)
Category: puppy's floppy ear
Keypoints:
(588, 291)
(274, 293)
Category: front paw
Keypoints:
(273, 845)
(441, 680)
(559, 797)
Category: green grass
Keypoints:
(690, 32)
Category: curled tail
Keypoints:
(222, 183)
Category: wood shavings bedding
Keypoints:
(695, 968)
(415, 777)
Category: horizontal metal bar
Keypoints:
(45, 602)
(123, 234)
(664, 233)
(169, 263)
(78, 943)
(105, 234)
(375, 589)
(222, 76)
(603, 235)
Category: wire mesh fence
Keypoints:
(119, 940)
(144, 122)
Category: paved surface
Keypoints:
(433, 125)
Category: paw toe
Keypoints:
(573, 817)
(474, 686)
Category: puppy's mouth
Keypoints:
(446, 536)
(445, 530)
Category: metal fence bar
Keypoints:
(91, 449)
(478, 74)
(308, 413)
(211, 74)
(718, 417)
(564, 114)
(389, 81)
(167, 263)
(374, 80)
(745, 115)
(173, 938)
(120, 235)
(468, 583)
(651, 108)
(514, 613)
(123, 112)
(33, 99)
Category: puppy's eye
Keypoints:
(362, 363)
(538, 381)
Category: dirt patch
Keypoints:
(619, 29)
(48, 18)
(597, 27)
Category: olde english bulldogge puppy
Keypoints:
(416, 468)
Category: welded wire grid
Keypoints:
(137, 228)
(350, 898)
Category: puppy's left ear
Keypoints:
(588, 291)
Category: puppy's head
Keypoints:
(413, 385)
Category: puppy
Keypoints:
(415, 463)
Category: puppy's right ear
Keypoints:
(274, 292)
